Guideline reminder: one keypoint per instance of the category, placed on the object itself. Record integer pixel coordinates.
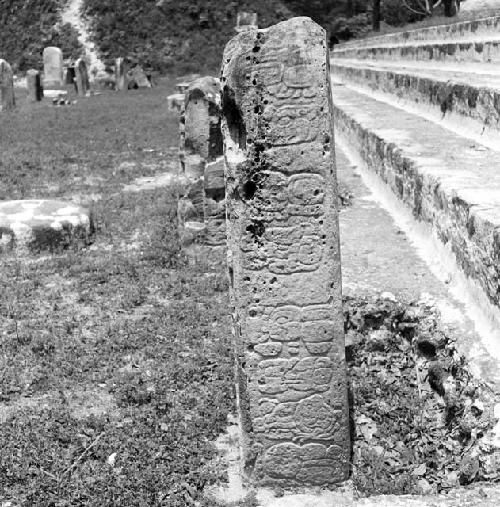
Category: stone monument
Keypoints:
(202, 208)
(121, 74)
(7, 98)
(283, 256)
(246, 21)
(34, 86)
(52, 68)
(82, 77)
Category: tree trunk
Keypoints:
(376, 16)
(448, 8)
(349, 8)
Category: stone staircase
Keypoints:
(421, 109)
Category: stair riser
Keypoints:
(477, 52)
(487, 27)
(474, 240)
(480, 105)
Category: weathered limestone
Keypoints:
(284, 259)
(32, 226)
(202, 208)
(246, 21)
(52, 68)
(137, 78)
(121, 74)
(82, 77)
(7, 99)
(34, 86)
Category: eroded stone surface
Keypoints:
(52, 68)
(283, 255)
(36, 225)
(246, 21)
(34, 85)
(7, 100)
(121, 74)
(202, 208)
(82, 77)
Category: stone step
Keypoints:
(448, 182)
(469, 100)
(488, 27)
(479, 51)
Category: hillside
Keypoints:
(183, 36)
(27, 26)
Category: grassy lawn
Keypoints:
(115, 363)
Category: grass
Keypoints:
(115, 363)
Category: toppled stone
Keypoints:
(43, 225)
(137, 78)
(284, 259)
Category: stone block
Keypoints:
(52, 68)
(34, 86)
(246, 21)
(82, 77)
(121, 74)
(202, 161)
(7, 99)
(283, 255)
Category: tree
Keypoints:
(376, 16)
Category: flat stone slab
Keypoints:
(43, 225)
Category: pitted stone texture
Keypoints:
(202, 162)
(43, 225)
(7, 100)
(82, 77)
(52, 68)
(34, 86)
(284, 260)
(121, 74)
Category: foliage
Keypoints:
(185, 36)
(31, 25)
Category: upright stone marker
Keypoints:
(52, 68)
(7, 99)
(202, 209)
(121, 74)
(34, 86)
(82, 77)
(284, 259)
(246, 21)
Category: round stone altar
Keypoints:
(44, 225)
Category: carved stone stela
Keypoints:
(202, 213)
(283, 252)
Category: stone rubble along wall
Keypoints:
(201, 210)
(470, 231)
(283, 255)
(7, 98)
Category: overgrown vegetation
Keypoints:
(28, 26)
(418, 414)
